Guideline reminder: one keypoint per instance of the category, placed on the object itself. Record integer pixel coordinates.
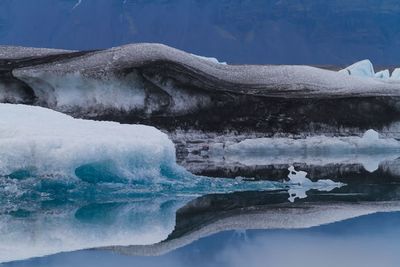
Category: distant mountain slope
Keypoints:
(242, 31)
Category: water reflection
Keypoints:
(131, 221)
(364, 241)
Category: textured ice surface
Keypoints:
(15, 52)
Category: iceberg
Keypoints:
(383, 74)
(43, 142)
(395, 74)
(363, 68)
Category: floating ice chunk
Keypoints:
(395, 74)
(210, 59)
(298, 177)
(383, 74)
(48, 143)
(362, 68)
(301, 184)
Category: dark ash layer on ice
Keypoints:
(161, 86)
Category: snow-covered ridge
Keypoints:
(16, 52)
(257, 79)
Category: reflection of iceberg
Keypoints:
(368, 150)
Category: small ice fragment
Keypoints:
(301, 184)
(298, 177)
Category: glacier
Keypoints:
(174, 90)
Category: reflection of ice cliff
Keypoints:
(369, 150)
(268, 210)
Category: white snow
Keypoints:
(50, 143)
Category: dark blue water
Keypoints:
(371, 240)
